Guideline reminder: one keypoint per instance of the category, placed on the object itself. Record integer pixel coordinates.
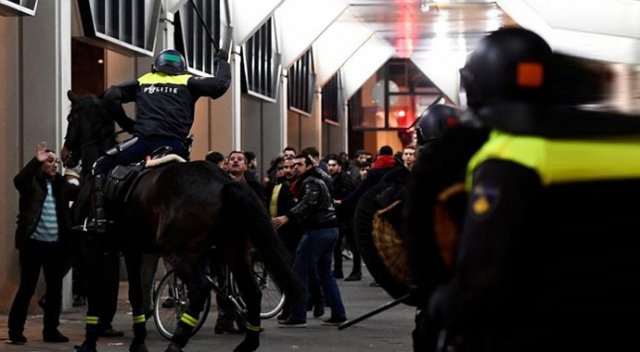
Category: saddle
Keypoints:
(123, 179)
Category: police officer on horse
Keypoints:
(165, 101)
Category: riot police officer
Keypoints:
(435, 203)
(546, 258)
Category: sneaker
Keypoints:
(354, 277)
(292, 323)
(54, 336)
(334, 321)
(16, 339)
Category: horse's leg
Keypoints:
(198, 288)
(93, 250)
(251, 295)
(133, 260)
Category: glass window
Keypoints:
(398, 97)
(194, 40)
(18, 7)
(331, 99)
(301, 80)
(261, 63)
(128, 25)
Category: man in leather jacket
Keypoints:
(316, 214)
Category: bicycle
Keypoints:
(170, 298)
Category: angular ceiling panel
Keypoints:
(442, 72)
(336, 44)
(248, 15)
(364, 62)
(602, 30)
(301, 22)
(616, 18)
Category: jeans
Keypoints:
(314, 253)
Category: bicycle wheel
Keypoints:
(272, 298)
(169, 303)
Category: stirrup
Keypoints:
(93, 225)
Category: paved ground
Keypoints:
(388, 331)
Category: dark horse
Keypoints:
(181, 209)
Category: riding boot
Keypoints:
(182, 334)
(99, 221)
(91, 337)
(139, 335)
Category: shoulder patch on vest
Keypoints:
(484, 199)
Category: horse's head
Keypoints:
(90, 130)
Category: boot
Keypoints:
(181, 335)
(99, 222)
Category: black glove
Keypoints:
(221, 55)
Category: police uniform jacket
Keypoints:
(165, 103)
(548, 257)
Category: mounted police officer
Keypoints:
(165, 100)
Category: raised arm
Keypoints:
(22, 179)
(213, 87)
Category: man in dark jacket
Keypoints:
(43, 239)
(316, 214)
(341, 185)
(281, 201)
(385, 162)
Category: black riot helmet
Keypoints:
(510, 64)
(171, 62)
(434, 121)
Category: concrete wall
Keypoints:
(10, 127)
(220, 137)
(34, 77)
(260, 130)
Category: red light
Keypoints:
(402, 113)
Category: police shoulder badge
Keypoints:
(484, 199)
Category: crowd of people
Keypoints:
(311, 200)
(502, 237)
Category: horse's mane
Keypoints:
(91, 108)
(95, 127)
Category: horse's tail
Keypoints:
(243, 211)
